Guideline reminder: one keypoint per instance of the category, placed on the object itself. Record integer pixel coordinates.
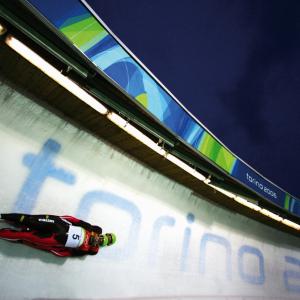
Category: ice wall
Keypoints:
(172, 244)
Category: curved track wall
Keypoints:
(171, 242)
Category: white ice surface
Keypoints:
(158, 255)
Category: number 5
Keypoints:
(75, 236)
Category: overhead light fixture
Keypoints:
(291, 224)
(185, 166)
(2, 29)
(55, 74)
(124, 124)
(257, 208)
(207, 180)
(271, 215)
(225, 192)
(247, 203)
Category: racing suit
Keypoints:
(60, 235)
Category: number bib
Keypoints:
(76, 237)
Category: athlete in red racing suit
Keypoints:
(62, 236)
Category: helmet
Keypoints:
(107, 239)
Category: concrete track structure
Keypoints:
(172, 243)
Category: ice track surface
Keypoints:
(172, 244)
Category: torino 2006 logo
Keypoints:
(261, 186)
(42, 166)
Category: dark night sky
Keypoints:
(234, 64)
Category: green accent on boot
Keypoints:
(105, 240)
(113, 238)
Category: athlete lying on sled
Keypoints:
(62, 236)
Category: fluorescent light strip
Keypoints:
(185, 167)
(207, 181)
(247, 203)
(55, 74)
(291, 224)
(225, 192)
(122, 123)
(2, 29)
(271, 215)
(257, 208)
